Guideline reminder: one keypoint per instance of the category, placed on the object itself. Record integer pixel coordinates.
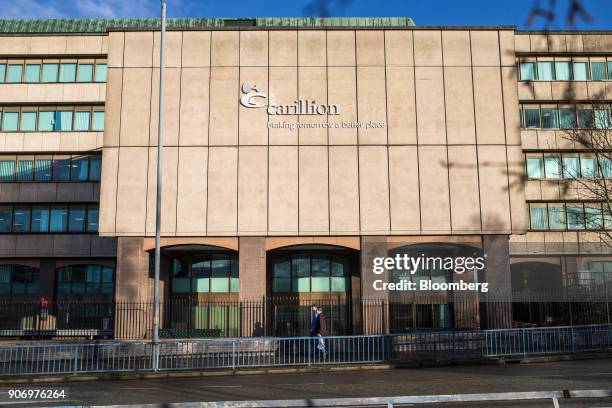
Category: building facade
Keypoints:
(295, 152)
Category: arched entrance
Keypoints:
(302, 275)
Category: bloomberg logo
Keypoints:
(254, 98)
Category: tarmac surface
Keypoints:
(551, 376)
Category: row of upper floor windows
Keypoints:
(43, 218)
(52, 119)
(567, 165)
(53, 71)
(566, 69)
(45, 168)
(575, 216)
(552, 116)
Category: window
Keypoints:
(550, 119)
(14, 73)
(61, 169)
(593, 216)
(2, 72)
(606, 166)
(575, 216)
(562, 71)
(571, 166)
(50, 72)
(585, 118)
(588, 166)
(85, 279)
(40, 219)
(538, 216)
(25, 170)
(532, 117)
(311, 272)
(43, 170)
(64, 121)
(602, 119)
(100, 72)
(7, 170)
(85, 73)
(78, 171)
(205, 273)
(81, 120)
(21, 219)
(10, 121)
(18, 280)
(581, 71)
(92, 218)
(28, 121)
(546, 71)
(68, 72)
(59, 219)
(32, 73)
(567, 118)
(95, 168)
(609, 70)
(598, 70)
(535, 167)
(527, 71)
(98, 121)
(76, 218)
(556, 216)
(552, 167)
(46, 121)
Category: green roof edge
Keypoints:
(101, 25)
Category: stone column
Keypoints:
(375, 306)
(497, 308)
(253, 282)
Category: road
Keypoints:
(573, 375)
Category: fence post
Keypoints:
(524, 332)
(76, 360)
(573, 339)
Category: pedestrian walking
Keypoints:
(321, 330)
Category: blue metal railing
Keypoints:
(198, 354)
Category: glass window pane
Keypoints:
(598, 71)
(556, 216)
(180, 285)
(593, 217)
(534, 167)
(10, 122)
(606, 166)
(527, 71)
(545, 71)
(79, 170)
(76, 218)
(220, 271)
(93, 214)
(7, 170)
(532, 118)
(42, 170)
(562, 70)
(588, 166)
(301, 274)
(81, 120)
(59, 219)
(575, 216)
(550, 119)
(100, 72)
(107, 275)
(581, 71)
(95, 168)
(61, 170)
(40, 219)
(585, 118)
(235, 279)
(320, 273)
(552, 167)
(85, 72)
(28, 121)
(64, 121)
(24, 170)
(538, 218)
(2, 72)
(571, 166)
(21, 219)
(68, 72)
(98, 121)
(6, 218)
(46, 121)
(567, 118)
(609, 70)
(200, 285)
(281, 276)
(14, 73)
(50, 72)
(32, 73)
(602, 119)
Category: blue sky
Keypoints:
(424, 12)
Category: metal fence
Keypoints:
(53, 358)
(290, 316)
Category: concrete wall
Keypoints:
(443, 164)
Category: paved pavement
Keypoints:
(573, 375)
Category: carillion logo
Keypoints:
(254, 98)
